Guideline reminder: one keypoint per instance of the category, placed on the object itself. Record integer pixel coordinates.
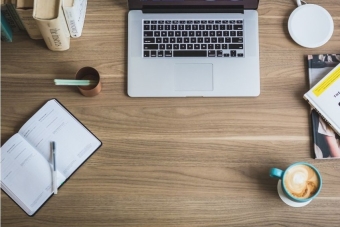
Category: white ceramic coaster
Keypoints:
(286, 200)
(310, 25)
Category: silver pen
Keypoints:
(55, 182)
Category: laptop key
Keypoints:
(236, 46)
(153, 53)
(190, 53)
(219, 53)
(168, 53)
(211, 53)
(148, 34)
(160, 53)
(233, 53)
(146, 53)
(149, 40)
(239, 55)
(238, 27)
(237, 40)
(150, 46)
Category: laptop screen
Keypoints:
(246, 4)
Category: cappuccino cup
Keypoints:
(299, 184)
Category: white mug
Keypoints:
(310, 25)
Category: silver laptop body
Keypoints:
(211, 59)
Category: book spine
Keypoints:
(75, 17)
(9, 18)
(15, 16)
(54, 31)
(6, 32)
(29, 23)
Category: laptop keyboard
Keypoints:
(193, 38)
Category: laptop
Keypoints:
(193, 48)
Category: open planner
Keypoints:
(26, 159)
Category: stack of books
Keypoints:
(55, 21)
(324, 99)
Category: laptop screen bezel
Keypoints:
(246, 4)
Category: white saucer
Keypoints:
(285, 199)
(310, 25)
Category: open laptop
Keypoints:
(193, 48)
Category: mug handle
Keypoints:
(299, 2)
(276, 173)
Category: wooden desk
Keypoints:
(173, 161)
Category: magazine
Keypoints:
(326, 141)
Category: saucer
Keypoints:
(310, 25)
(287, 201)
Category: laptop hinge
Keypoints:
(192, 9)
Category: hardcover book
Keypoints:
(52, 25)
(326, 141)
(27, 164)
(74, 11)
(11, 8)
(24, 9)
(6, 31)
(5, 10)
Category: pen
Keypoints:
(74, 82)
(55, 186)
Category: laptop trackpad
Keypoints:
(193, 77)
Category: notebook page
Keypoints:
(25, 174)
(74, 143)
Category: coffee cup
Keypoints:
(89, 73)
(299, 184)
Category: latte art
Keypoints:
(301, 181)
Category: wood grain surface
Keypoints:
(173, 161)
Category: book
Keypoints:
(24, 9)
(52, 25)
(326, 141)
(7, 14)
(75, 11)
(26, 157)
(11, 8)
(6, 31)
